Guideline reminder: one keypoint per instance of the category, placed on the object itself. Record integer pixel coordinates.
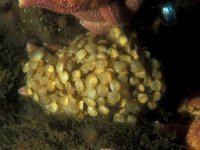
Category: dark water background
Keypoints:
(178, 48)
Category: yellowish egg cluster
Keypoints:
(106, 76)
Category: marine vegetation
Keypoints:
(95, 15)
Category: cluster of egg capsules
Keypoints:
(96, 75)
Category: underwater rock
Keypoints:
(192, 106)
(106, 76)
(193, 136)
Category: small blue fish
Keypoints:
(168, 13)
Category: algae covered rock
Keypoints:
(106, 76)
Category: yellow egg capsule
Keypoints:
(43, 81)
(156, 96)
(156, 85)
(81, 44)
(79, 85)
(76, 74)
(37, 76)
(33, 65)
(118, 118)
(80, 55)
(119, 66)
(91, 93)
(36, 97)
(113, 98)
(134, 54)
(91, 48)
(49, 69)
(114, 53)
(64, 77)
(64, 101)
(122, 40)
(51, 86)
(147, 81)
(105, 77)
(123, 103)
(141, 74)
(102, 49)
(92, 111)
(133, 107)
(141, 88)
(103, 110)
(133, 81)
(102, 90)
(125, 58)
(52, 107)
(58, 84)
(114, 33)
(81, 105)
(90, 102)
(26, 68)
(142, 98)
(152, 105)
(101, 101)
(59, 67)
(41, 90)
(91, 80)
(131, 119)
(115, 85)
(36, 55)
